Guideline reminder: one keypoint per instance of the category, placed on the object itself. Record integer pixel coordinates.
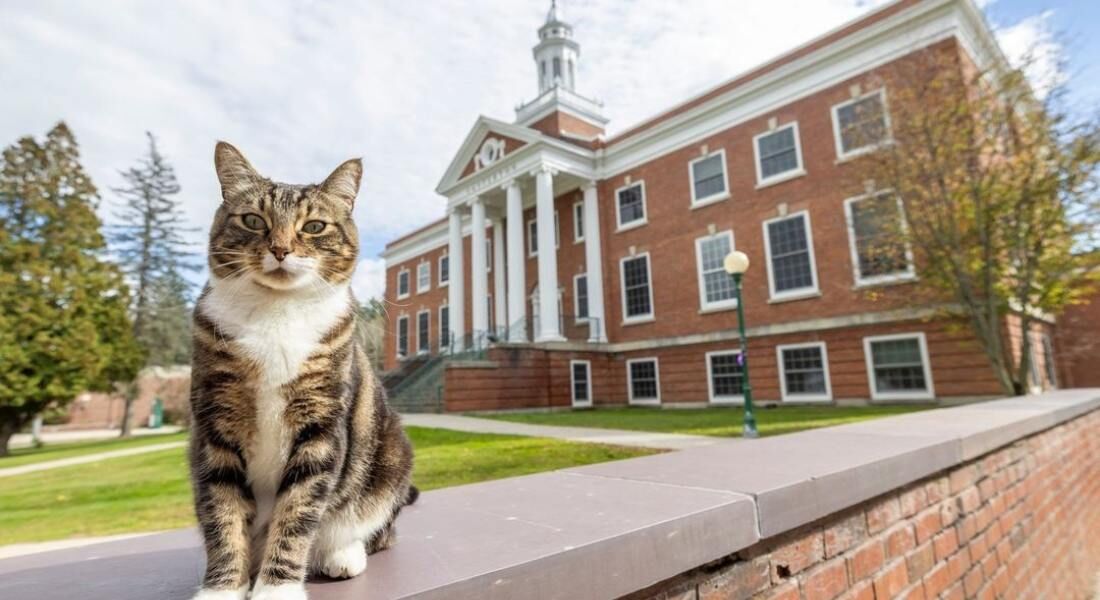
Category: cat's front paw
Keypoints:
(207, 594)
(282, 591)
(346, 562)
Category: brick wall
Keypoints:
(1020, 522)
(98, 410)
(1079, 344)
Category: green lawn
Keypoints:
(151, 491)
(722, 422)
(26, 456)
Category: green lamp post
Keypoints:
(736, 264)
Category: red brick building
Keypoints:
(631, 230)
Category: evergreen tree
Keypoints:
(148, 241)
(64, 327)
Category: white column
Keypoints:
(479, 279)
(499, 294)
(456, 291)
(517, 264)
(549, 331)
(593, 260)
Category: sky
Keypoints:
(301, 86)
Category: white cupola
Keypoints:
(557, 53)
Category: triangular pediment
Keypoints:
(473, 155)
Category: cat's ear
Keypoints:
(344, 181)
(235, 173)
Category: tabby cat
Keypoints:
(298, 464)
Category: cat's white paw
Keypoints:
(346, 562)
(237, 594)
(283, 591)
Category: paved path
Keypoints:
(23, 440)
(618, 437)
(87, 458)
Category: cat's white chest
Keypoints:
(277, 333)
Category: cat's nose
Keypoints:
(279, 253)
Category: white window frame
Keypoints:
(439, 268)
(699, 202)
(573, 384)
(488, 254)
(630, 382)
(784, 396)
(576, 298)
(444, 347)
(704, 305)
(712, 398)
(419, 349)
(408, 283)
(397, 337)
(533, 232)
(928, 394)
(532, 238)
(649, 281)
(619, 226)
(798, 171)
(578, 218)
(800, 293)
(910, 272)
(841, 155)
(427, 286)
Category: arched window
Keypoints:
(572, 74)
(557, 68)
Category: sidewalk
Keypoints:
(87, 458)
(591, 435)
(23, 440)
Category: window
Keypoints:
(708, 178)
(581, 378)
(804, 372)
(578, 222)
(533, 235)
(725, 376)
(860, 125)
(557, 68)
(637, 294)
(444, 270)
(580, 296)
(788, 244)
(402, 337)
(489, 254)
(778, 155)
(403, 284)
(490, 318)
(643, 385)
(423, 331)
(897, 367)
(715, 285)
(444, 326)
(630, 205)
(423, 277)
(1048, 361)
(879, 252)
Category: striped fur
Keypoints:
(298, 464)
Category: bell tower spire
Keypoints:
(558, 109)
(557, 52)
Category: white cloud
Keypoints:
(1031, 44)
(301, 87)
(370, 279)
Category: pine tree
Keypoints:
(64, 326)
(148, 241)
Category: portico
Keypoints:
(493, 206)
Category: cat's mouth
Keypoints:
(289, 273)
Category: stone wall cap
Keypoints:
(599, 531)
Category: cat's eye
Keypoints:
(314, 227)
(254, 222)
